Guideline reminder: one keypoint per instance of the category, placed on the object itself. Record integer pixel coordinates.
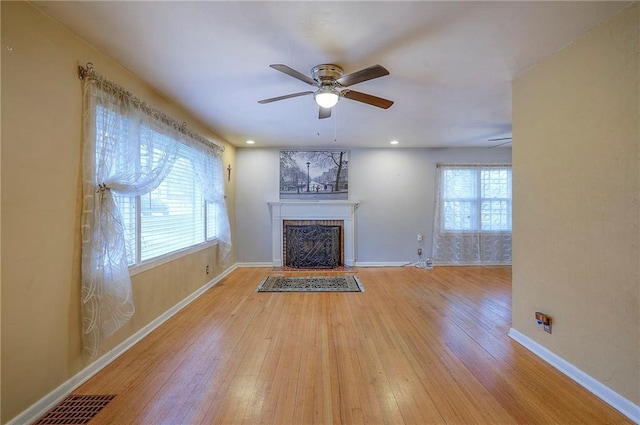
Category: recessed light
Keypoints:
(394, 142)
(250, 142)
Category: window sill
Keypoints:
(158, 261)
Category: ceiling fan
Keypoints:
(331, 82)
(510, 140)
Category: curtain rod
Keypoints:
(88, 73)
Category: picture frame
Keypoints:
(321, 174)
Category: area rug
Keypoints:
(310, 284)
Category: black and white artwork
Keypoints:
(317, 175)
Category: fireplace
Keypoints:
(312, 244)
(323, 213)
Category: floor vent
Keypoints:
(76, 410)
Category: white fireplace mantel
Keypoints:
(310, 210)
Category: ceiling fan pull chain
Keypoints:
(335, 128)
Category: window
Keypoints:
(150, 187)
(171, 217)
(476, 199)
(472, 214)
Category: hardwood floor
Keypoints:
(417, 347)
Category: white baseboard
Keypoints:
(471, 264)
(382, 264)
(46, 403)
(255, 264)
(615, 400)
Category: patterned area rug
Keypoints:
(310, 284)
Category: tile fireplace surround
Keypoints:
(310, 210)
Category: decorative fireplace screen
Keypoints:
(313, 246)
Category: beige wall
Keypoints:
(41, 146)
(575, 203)
(1, 46)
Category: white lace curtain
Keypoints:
(208, 167)
(128, 149)
(472, 217)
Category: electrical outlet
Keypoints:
(419, 238)
(206, 269)
(544, 321)
(419, 251)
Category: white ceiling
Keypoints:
(451, 63)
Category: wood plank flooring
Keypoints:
(417, 347)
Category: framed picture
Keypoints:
(317, 175)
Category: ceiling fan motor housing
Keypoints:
(326, 74)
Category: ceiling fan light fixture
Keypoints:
(326, 97)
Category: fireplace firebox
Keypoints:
(314, 244)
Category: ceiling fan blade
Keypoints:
(367, 98)
(286, 96)
(293, 73)
(370, 73)
(324, 113)
(500, 144)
